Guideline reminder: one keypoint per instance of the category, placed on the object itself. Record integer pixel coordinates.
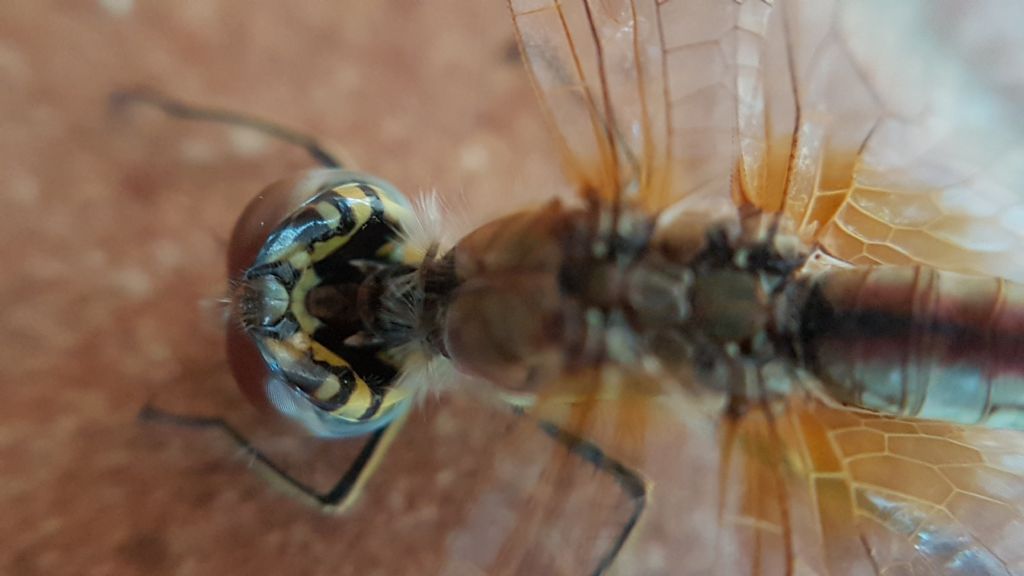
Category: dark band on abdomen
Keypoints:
(917, 342)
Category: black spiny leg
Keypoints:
(177, 109)
(630, 481)
(336, 500)
(347, 489)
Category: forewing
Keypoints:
(644, 93)
(889, 133)
(909, 145)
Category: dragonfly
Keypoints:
(789, 282)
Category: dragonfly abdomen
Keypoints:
(917, 342)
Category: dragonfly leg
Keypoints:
(178, 109)
(630, 481)
(334, 501)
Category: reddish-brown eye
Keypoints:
(260, 218)
(247, 366)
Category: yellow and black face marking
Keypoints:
(305, 302)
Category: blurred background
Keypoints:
(113, 236)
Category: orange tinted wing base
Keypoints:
(806, 489)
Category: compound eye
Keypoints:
(247, 366)
(268, 209)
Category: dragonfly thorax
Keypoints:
(538, 294)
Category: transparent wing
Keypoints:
(887, 133)
(923, 497)
(643, 93)
(867, 495)
(820, 490)
(805, 489)
(907, 144)
(583, 502)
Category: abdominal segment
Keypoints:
(916, 342)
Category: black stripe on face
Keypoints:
(307, 227)
(364, 244)
(367, 363)
(347, 378)
(365, 360)
(375, 202)
(342, 202)
(377, 399)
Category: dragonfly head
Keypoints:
(306, 260)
